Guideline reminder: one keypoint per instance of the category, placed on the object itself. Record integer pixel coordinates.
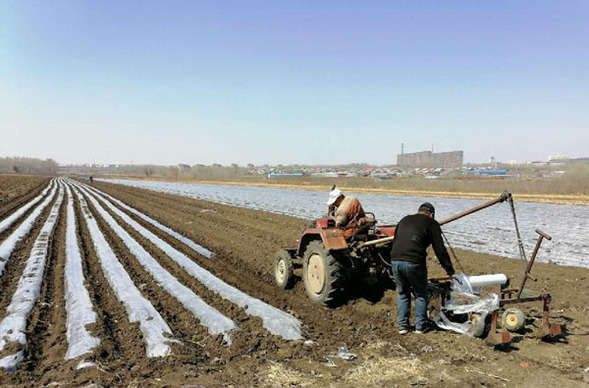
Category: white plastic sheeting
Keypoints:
(274, 320)
(22, 231)
(216, 322)
(77, 300)
(197, 248)
(14, 324)
(139, 309)
(487, 304)
(467, 300)
(5, 223)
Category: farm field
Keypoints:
(122, 286)
(491, 231)
(572, 190)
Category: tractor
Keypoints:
(328, 257)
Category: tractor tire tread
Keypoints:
(289, 282)
(333, 281)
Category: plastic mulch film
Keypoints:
(465, 301)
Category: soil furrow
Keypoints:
(244, 231)
(19, 196)
(251, 336)
(47, 342)
(18, 260)
(184, 324)
(155, 207)
(250, 327)
(121, 344)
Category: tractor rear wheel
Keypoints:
(322, 274)
(283, 270)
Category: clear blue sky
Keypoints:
(288, 82)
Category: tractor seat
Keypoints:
(367, 222)
(360, 231)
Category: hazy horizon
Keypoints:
(304, 82)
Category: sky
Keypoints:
(292, 82)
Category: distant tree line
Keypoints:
(21, 165)
(182, 171)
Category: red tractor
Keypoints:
(328, 257)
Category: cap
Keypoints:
(333, 196)
(428, 207)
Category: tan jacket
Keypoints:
(348, 212)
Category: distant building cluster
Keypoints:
(430, 159)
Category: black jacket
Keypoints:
(414, 234)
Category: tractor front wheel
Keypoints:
(322, 274)
(283, 270)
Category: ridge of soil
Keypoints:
(15, 191)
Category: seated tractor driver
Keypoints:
(347, 211)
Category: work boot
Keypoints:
(427, 327)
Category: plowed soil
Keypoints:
(16, 190)
(245, 242)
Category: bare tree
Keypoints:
(148, 170)
(173, 172)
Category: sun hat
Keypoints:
(333, 196)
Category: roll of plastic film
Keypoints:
(487, 280)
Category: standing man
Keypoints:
(348, 210)
(414, 234)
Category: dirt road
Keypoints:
(243, 242)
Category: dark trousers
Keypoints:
(411, 277)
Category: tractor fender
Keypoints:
(387, 230)
(333, 239)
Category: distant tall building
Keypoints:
(431, 159)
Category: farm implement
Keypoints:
(462, 308)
